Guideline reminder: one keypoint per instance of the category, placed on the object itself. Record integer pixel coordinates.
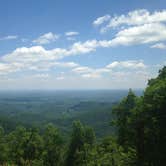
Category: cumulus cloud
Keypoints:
(142, 27)
(159, 46)
(101, 20)
(88, 72)
(6, 68)
(66, 64)
(41, 61)
(34, 58)
(72, 33)
(134, 18)
(39, 58)
(82, 69)
(46, 38)
(136, 27)
(143, 34)
(39, 53)
(127, 64)
(25, 54)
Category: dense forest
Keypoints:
(139, 139)
(36, 108)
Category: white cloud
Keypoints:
(136, 27)
(85, 47)
(91, 75)
(159, 46)
(6, 68)
(127, 64)
(140, 27)
(88, 72)
(25, 54)
(101, 20)
(127, 79)
(38, 53)
(71, 33)
(76, 74)
(34, 58)
(136, 17)
(143, 34)
(71, 36)
(46, 38)
(10, 37)
(66, 64)
(38, 58)
(82, 69)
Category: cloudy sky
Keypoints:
(75, 44)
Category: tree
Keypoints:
(3, 147)
(25, 146)
(82, 136)
(33, 146)
(154, 102)
(130, 123)
(141, 122)
(123, 112)
(53, 146)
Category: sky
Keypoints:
(81, 44)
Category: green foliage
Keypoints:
(24, 145)
(109, 153)
(81, 135)
(123, 112)
(53, 146)
(3, 147)
(141, 123)
(30, 112)
(155, 113)
(140, 138)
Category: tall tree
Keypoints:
(81, 136)
(155, 113)
(53, 146)
(25, 146)
(123, 113)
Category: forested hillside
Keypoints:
(61, 108)
(140, 138)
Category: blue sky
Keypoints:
(58, 44)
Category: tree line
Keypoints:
(140, 138)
